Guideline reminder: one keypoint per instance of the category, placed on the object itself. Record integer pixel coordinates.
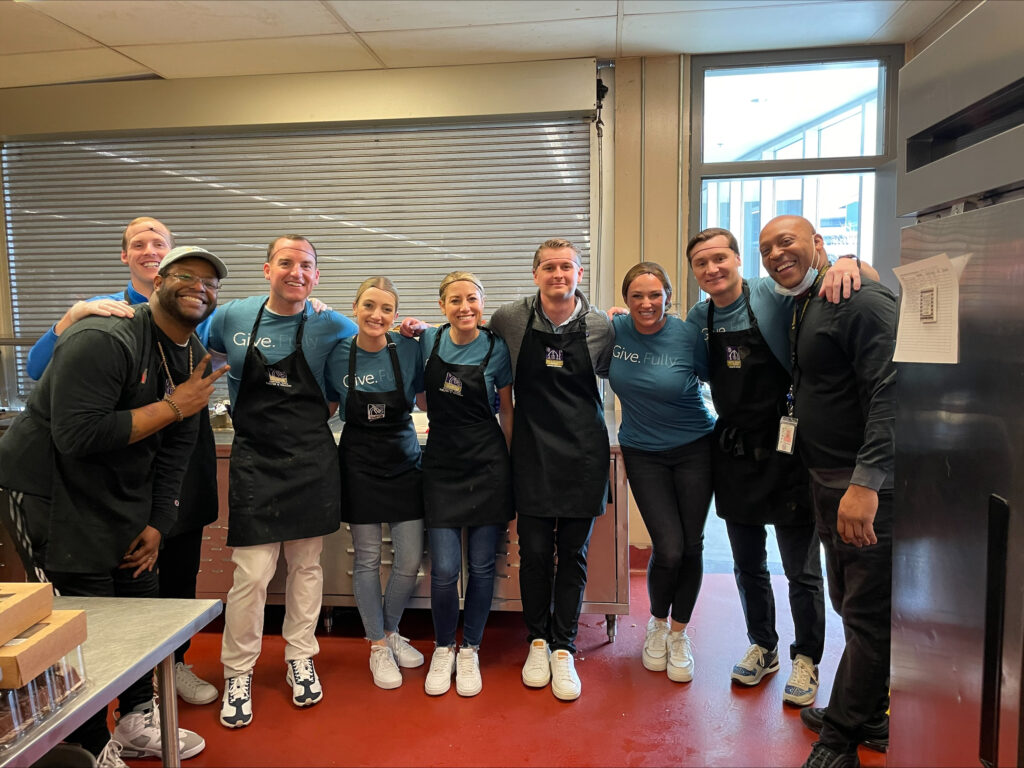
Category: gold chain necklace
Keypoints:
(167, 368)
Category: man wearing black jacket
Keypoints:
(842, 424)
(99, 454)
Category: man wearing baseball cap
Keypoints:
(98, 455)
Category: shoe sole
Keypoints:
(872, 744)
(654, 664)
(471, 692)
(231, 725)
(752, 681)
(679, 676)
(134, 754)
(563, 696)
(437, 691)
(199, 702)
(387, 686)
(408, 665)
(537, 683)
(799, 701)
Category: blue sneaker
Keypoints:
(302, 677)
(755, 664)
(802, 686)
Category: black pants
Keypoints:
(673, 493)
(860, 587)
(552, 601)
(93, 734)
(178, 566)
(801, 560)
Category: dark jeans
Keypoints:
(860, 587)
(445, 569)
(801, 559)
(552, 600)
(93, 734)
(673, 493)
(178, 566)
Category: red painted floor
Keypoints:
(627, 716)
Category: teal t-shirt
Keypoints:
(374, 371)
(653, 376)
(774, 313)
(497, 374)
(275, 338)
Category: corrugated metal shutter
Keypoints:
(411, 202)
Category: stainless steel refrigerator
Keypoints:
(958, 554)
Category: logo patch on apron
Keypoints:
(374, 412)
(277, 378)
(553, 357)
(452, 384)
(733, 358)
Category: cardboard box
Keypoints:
(21, 606)
(43, 644)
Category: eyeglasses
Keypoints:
(212, 283)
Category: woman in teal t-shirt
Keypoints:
(666, 445)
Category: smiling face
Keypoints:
(463, 305)
(646, 298)
(789, 247)
(375, 311)
(187, 301)
(293, 273)
(146, 242)
(717, 269)
(557, 274)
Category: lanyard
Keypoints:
(799, 310)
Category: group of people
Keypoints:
(774, 354)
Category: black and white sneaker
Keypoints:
(236, 706)
(305, 683)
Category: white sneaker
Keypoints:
(236, 706)
(537, 669)
(192, 688)
(655, 654)
(138, 733)
(405, 655)
(439, 676)
(305, 683)
(385, 671)
(467, 672)
(680, 657)
(802, 686)
(565, 683)
(110, 757)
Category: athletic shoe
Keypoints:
(755, 664)
(236, 705)
(192, 688)
(305, 683)
(405, 655)
(874, 735)
(565, 683)
(680, 657)
(826, 757)
(537, 669)
(655, 654)
(385, 671)
(442, 667)
(110, 757)
(802, 686)
(467, 672)
(138, 733)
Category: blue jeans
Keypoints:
(445, 569)
(382, 612)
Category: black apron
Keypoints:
(560, 452)
(379, 454)
(467, 473)
(754, 483)
(284, 481)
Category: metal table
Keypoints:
(127, 638)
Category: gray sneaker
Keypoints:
(138, 733)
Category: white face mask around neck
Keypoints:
(804, 285)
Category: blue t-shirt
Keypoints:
(374, 372)
(41, 352)
(653, 376)
(497, 374)
(232, 322)
(774, 313)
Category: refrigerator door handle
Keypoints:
(995, 615)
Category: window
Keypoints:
(794, 132)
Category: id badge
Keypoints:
(787, 434)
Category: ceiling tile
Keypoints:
(502, 43)
(23, 69)
(385, 15)
(912, 19)
(115, 23)
(22, 30)
(321, 53)
(687, 6)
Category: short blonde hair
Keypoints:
(555, 244)
(379, 282)
(458, 276)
